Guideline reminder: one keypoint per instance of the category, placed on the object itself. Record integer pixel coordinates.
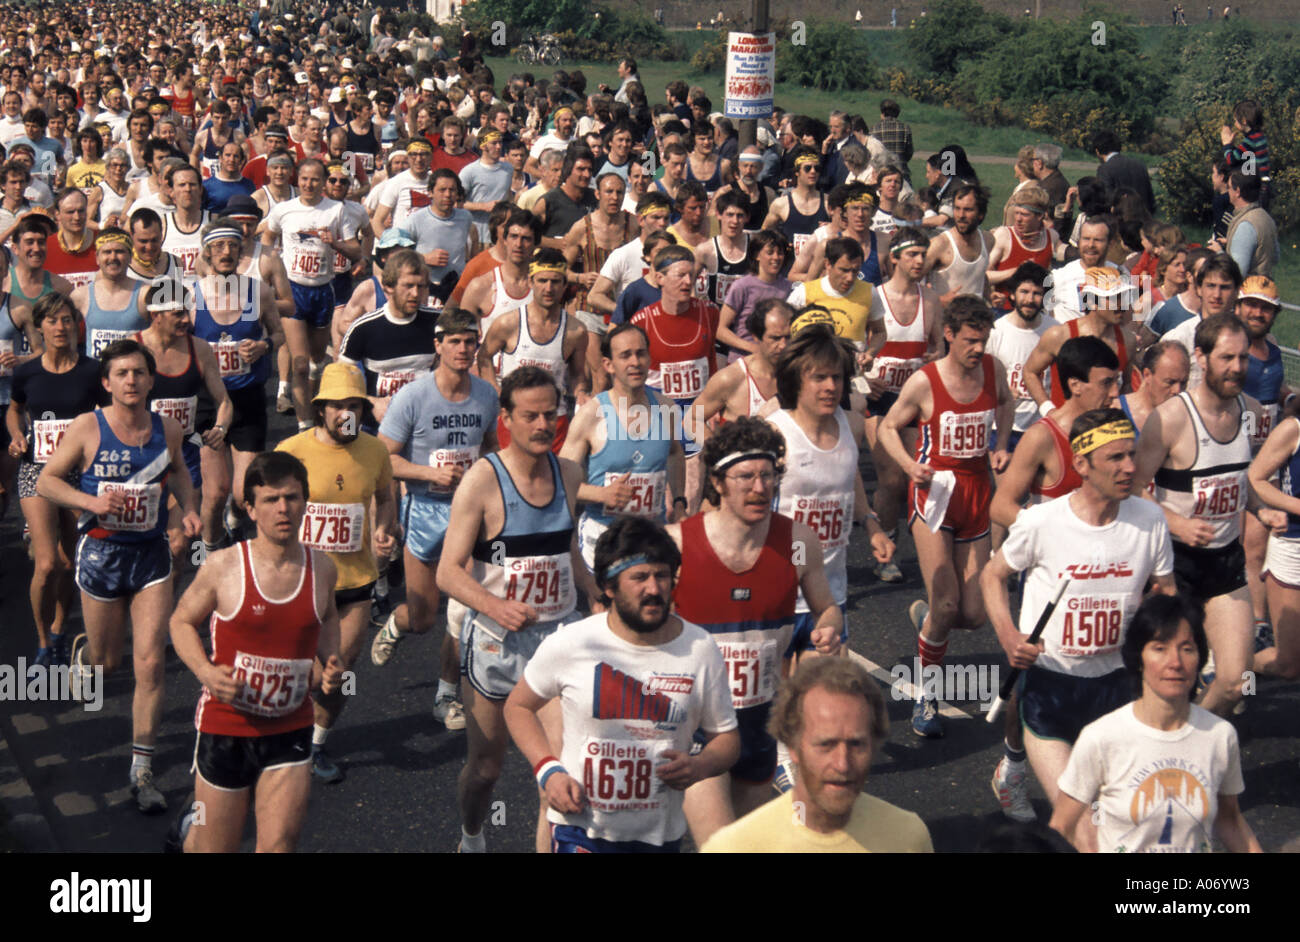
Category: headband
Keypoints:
(666, 261)
(754, 159)
(906, 244)
(113, 238)
(224, 232)
(165, 306)
(654, 208)
(1094, 438)
(627, 562)
(487, 137)
(736, 457)
(397, 151)
(276, 159)
(806, 159)
(562, 109)
(419, 147)
(862, 199)
(535, 267)
(337, 165)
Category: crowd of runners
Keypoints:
(586, 389)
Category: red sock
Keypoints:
(929, 651)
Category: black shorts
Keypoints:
(247, 430)
(1058, 706)
(1202, 573)
(757, 762)
(345, 597)
(881, 405)
(233, 763)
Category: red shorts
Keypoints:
(967, 517)
(561, 430)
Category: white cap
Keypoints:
(429, 85)
(347, 63)
(301, 78)
(336, 96)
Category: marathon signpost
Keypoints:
(751, 80)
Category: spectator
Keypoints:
(1252, 235)
(1047, 170)
(894, 134)
(1119, 170)
(1251, 153)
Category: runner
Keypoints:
(1064, 298)
(516, 335)
(444, 235)
(724, 259)
(48, 393)
(149, 263)
(799, 212)
(403, 194)
(128, 460)
(278, 187)
(369, 295)
(626, 440)
(674, 682)
(181, 226)
(565, 205)
(1275, 476)
(71, 253)
(739, 580)
(235, 312)
(112, 306)
(1197, 449)
(1107, 297)
(1026, 240)
(356, 223)
(1217, 281)
(346, 470)
(744, 387)
(627, 263)
(254, 718)
(859, 207)
(511, 556)
(762, 280)
(1158, 375)
(1110, 544)
(1015, 337)
(507, 286)
(313, 231)
(435, 428)
(957, 401)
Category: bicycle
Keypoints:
(545, 50)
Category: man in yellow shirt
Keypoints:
(831, 715)
(346, 469)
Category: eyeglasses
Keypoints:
(340, 180)
(746, 479)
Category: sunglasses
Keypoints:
(338, 180)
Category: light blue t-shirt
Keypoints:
(486, 185)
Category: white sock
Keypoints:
(472, 843)
(141, 758)
(318, 735)
(282, 389)
(445, 689)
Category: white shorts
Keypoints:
(1282, 561)
(456, 613)
(589, 532)
(593, 322)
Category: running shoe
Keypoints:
(1012, 792)
(284, 403)
(925, 719)
(174, 842)
(147, 796)
(59, 647)
(889, 572)
(324, 768)
(1264, 638)
(917, 612)
(449, 711)
(79, 673)
(1207, 673)
(385, 643)
(44, 657)
(783, 781)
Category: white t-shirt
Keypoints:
(1108, 567)
(1012, 346)
(404, 194)
(624, 266)
(1185, 334)
(308, 260)
(1062, 297)
(1155, 791)
(650, 699)
(548, 141)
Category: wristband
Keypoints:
(1045, 407)
(546, 768)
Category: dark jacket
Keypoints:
(1122, 170)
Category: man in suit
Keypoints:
(1119, 170)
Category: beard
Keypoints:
(1225, 385)
(631, 614)
(344, 438)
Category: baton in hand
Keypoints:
(1013, 675)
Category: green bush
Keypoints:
(831, 58)
(1184, 172)
(1227, 62)
(712, 55)
(598, 35)
(954, 32)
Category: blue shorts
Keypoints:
(567, 839)
(342, 288)
(313, 304)
(804, 623)
(493, 666)
(424, 520)
(881, 405)
(190, 452)
(1011, 444)
(757, 762)
(1058, 706)
(108, 570)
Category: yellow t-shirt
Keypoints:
(850, 312)
(875, 826)
(84, 176)
(343, 479)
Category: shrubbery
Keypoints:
(954, 32)
(831, 58)
(1231, 61)
(583, 34)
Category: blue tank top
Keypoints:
(104, 326)
(142, 472)
(225, 338)
(1123, 404)
(645, 458)
(381, 296)
(12, 340)
(1264, 377)
(870, 270)
(1290, 481)
(526, 525)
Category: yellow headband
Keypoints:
(113, 238)
(1094, 438)
(419, 147)
(657, 208)
(562, 110)
(864, 199)
(487, 137)
(535, 267)
(805, 159)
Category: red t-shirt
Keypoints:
(681, 348)
(77, 267)
(453, 162)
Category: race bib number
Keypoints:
(367, 161)
(800, 240)
(1091, 624)
(1266, 422)
(308, 258)
(272, 686)
(684, 379)
(1016, 380)
(829, 517)
(183, 411)
(46, 435)
(188, 256)
(6, 346)
(333, 528)
(1223, 495)
(142, 504)
(101, 338)
(229, 362)
(390, 381)
(619, 774)
(753, 668)
(451, 458)
(965, 434)
(544, 582)
(893, 372)
(647, 493)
